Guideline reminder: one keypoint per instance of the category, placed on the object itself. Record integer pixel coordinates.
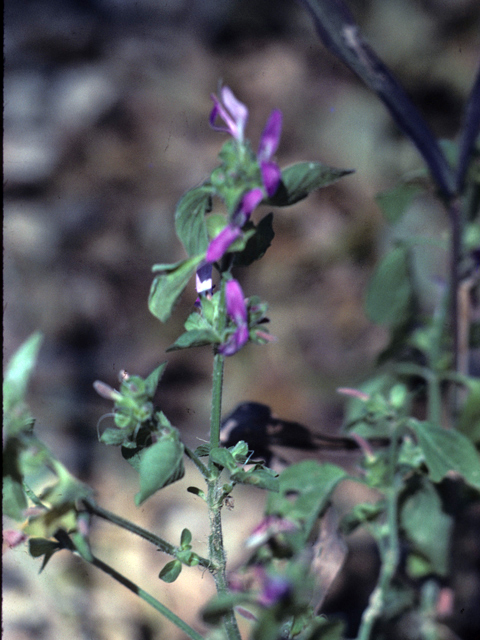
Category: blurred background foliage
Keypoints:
(106, 125)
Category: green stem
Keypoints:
(215, 490)
(389, 549)
(197, 462)
(163, 545)
(158, 606)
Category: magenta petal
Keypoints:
(219, 245)
(235, 302)
(248, 203)
(270, 136)
(237, 109)
(271, 176)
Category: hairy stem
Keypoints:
(215, 491)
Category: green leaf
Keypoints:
(448, 452)
(395, 202)
(258, 244)
(167, 287)
(302, 178)
(112, 436)
(171, 571)
(14, 498)
(223, 458)
(17, 375)
(151, 381)
(190, 219)
(427, 527)
(389, 293)
(313, 484)
(195, 338)
(185, 538)
(261, 478)
(161, 464)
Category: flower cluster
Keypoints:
(235, 115)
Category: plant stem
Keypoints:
(163, 545)
(196, 461)
(215, 490)
(388, 545)
(158, 606)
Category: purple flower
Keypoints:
(233, 112)
(237, 312)
(275, 589)
(271, 174)
(219, 245)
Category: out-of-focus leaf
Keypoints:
(300, 179)
(190, 219)
(17, 375)
(395, 202)
(14, 498)
(152, 380)
(313, 484)
(428, 527)
(448, 452)
(389, 293)
(167, 287)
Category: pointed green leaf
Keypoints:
(17, 374)
(168, 287)
(389, 293)
(151, 381)
(195, 338)
(190, 219)
(300, 179)
(448, 452)
(160, 465)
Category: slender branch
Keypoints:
(146, 597)
(196, 460)
(163, 545)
